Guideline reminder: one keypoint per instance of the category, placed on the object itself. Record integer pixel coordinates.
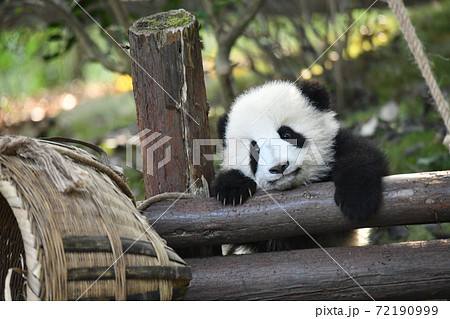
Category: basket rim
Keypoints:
(76, 154)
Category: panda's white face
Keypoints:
(275, 136)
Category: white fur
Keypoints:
(257, 115)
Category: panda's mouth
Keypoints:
(286, 177)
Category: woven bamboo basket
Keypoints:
(70, 230)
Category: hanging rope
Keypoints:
(404, 22)
(160, 197)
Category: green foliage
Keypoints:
(22, 72)
(432, 27)
(432, 155)
(94, 119)
(414, 233)
(352, 119)
(391, 70)
(171, 5)
(217, 5)
(27, 70)
(135, 182)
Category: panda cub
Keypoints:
(279, 136)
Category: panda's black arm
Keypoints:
(232, 187)
(357, 174)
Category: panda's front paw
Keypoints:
(358, 202)
(232, 187)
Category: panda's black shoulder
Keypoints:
(353, 149)
(347, 141)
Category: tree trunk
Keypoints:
(170, 95)
(227, 87)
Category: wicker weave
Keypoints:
(70, 223)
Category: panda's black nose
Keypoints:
(279, 169)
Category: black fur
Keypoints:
(297, 242)
(286, 133)
(254, 156)
(232, 187)
(222, 122)
(357, 172)
(317, 94)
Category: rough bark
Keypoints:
(407, 271)
(170, 95)
(408, 199)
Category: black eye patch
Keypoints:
(254, 156)
(296, 139)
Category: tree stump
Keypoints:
(170, 95)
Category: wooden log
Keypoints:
(408, 199)
(170, 96)
(406, 271)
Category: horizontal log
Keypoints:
(406, 271)
(408, 199)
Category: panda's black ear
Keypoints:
(317, 93)
(222, 122)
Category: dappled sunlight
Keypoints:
(124, 83)
(372, 34)
(37, 114)
(306, 74)
(68, 101)
(48, 104)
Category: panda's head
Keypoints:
(280, 134)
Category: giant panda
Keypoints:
(281, 135)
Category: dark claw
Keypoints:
(233, 187)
